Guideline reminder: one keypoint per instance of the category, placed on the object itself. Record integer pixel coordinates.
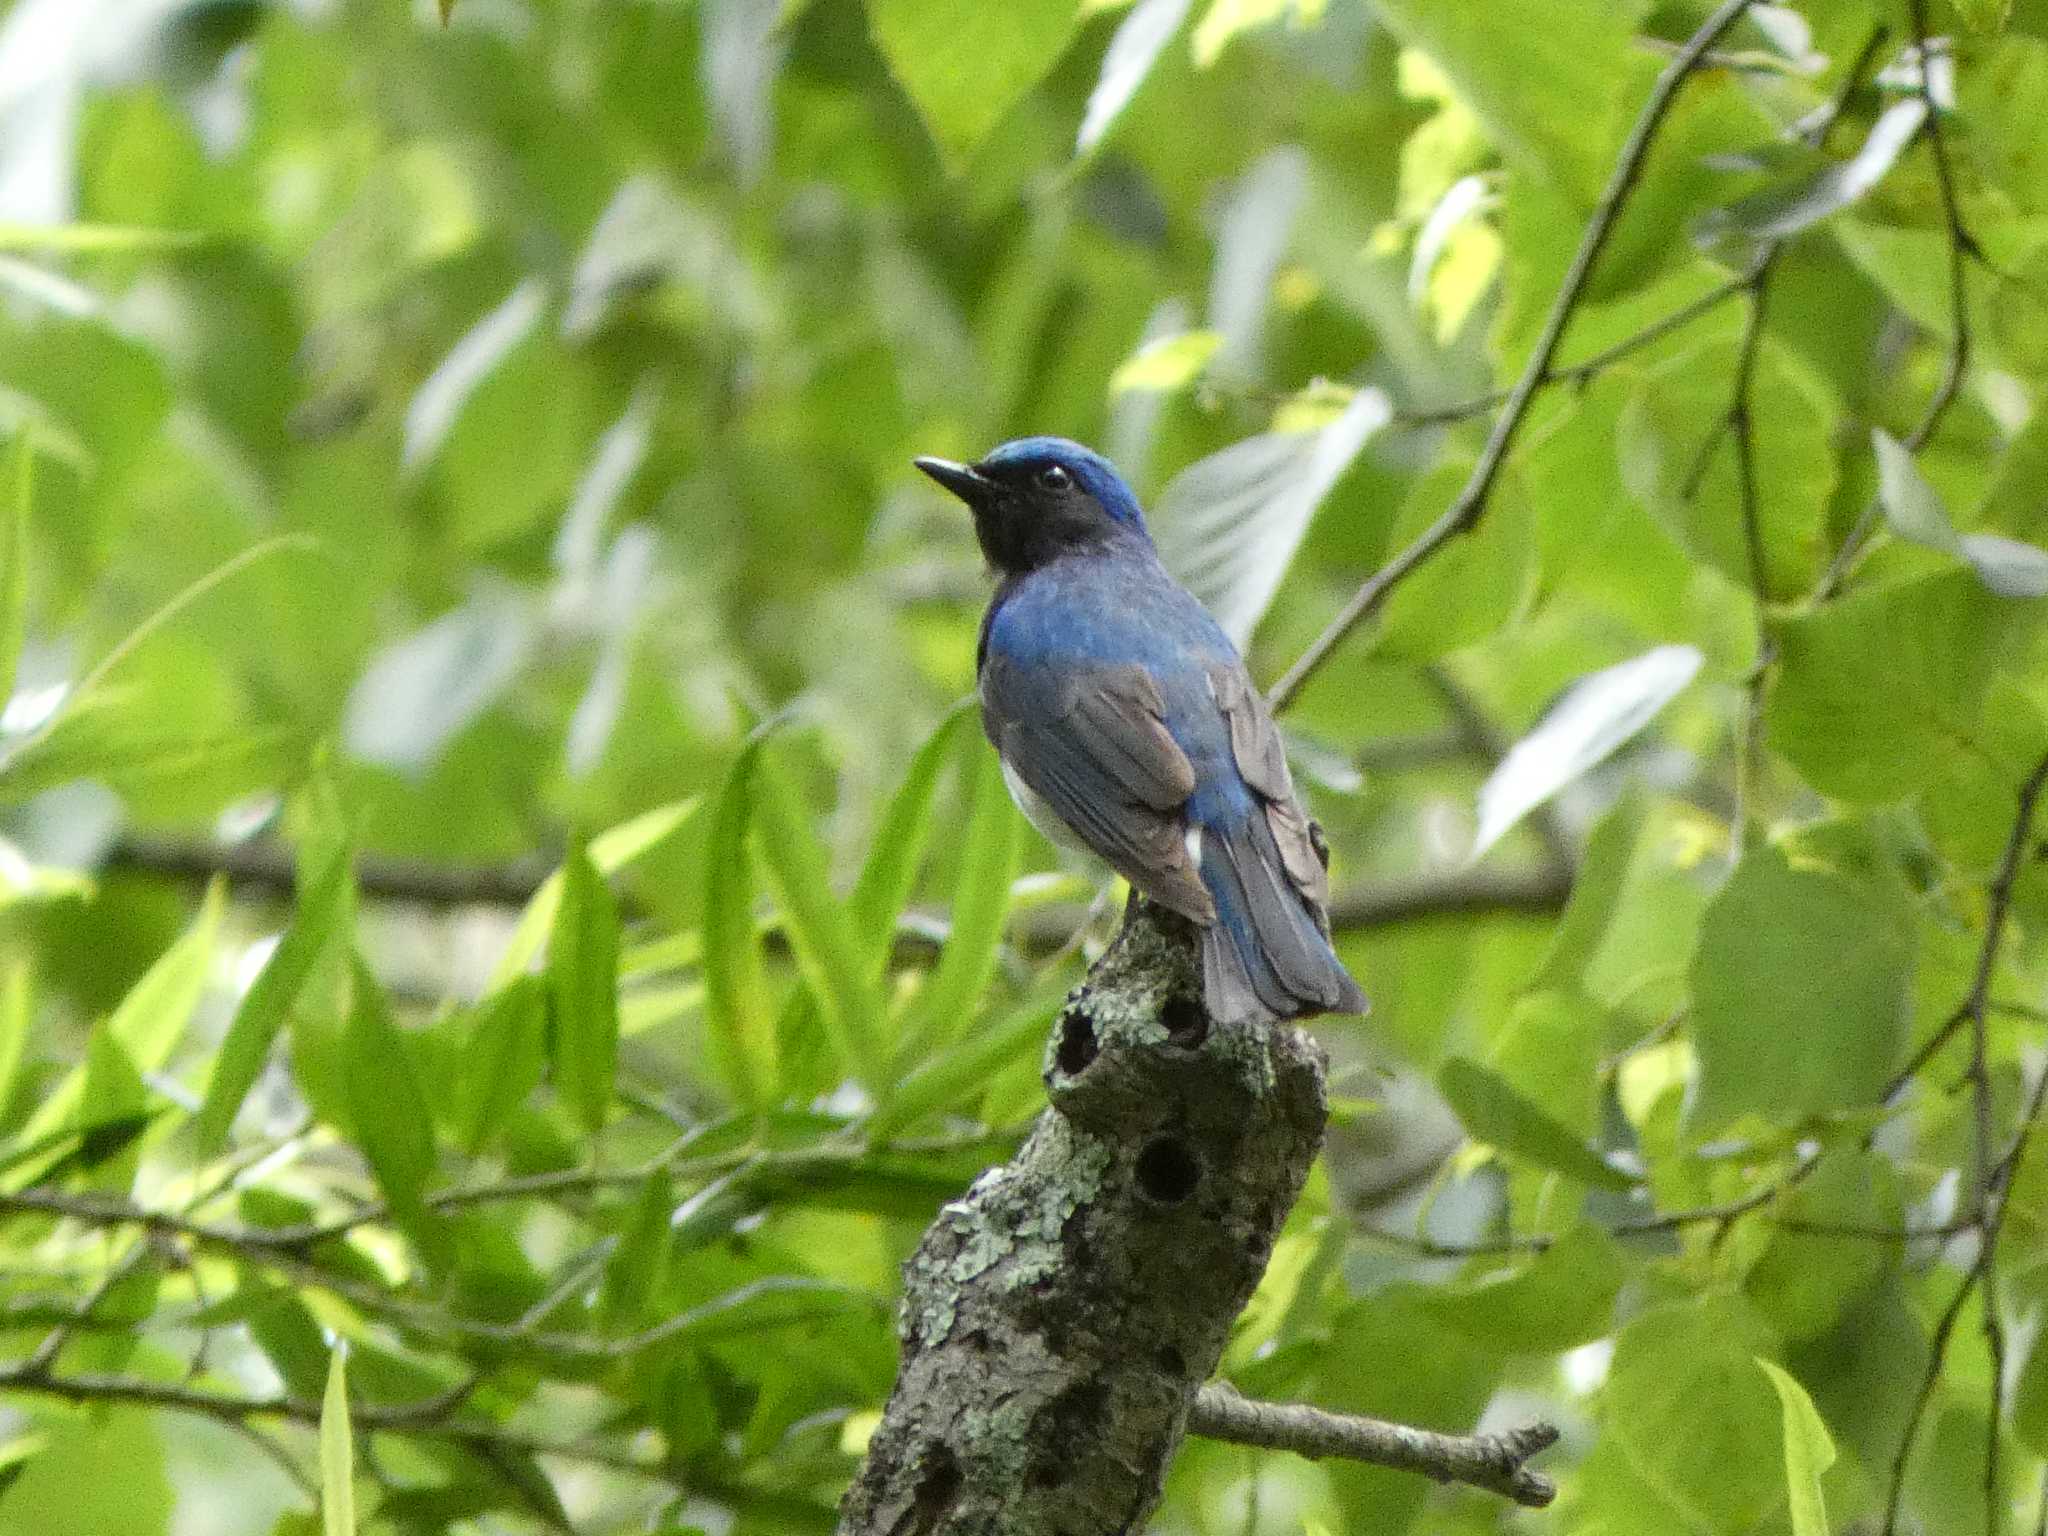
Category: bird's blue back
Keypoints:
(1128, 608)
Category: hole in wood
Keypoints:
(1167, 1171)
(1187, 1025)
(1077, 1042)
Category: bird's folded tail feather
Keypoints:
(1266, 955)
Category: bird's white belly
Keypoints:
(1038, 813)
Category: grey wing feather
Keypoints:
(1262, 759)
(1094, 746)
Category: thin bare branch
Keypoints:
(1464, 512)
(1497, 1463)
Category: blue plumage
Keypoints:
(1125, 716)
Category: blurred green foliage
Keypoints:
(456, 467)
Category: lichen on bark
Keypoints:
(1059, 1317)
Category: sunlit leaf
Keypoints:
(14, 562)
(1169, 363)
(879, 895)
(439, 402)
(611, 851)
(964, 67)
(981, 902)
(269, 1000)
(1228, 526)
(1809, 1451)
(503, 1059)
(738, 1013)
(2008, 567)
(1595, 715)
(583, 990)
(337, 1439)
(820, 927)
(1140, 38)
(390, 1117)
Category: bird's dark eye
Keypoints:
(1054, 478)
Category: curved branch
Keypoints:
(1464, 513)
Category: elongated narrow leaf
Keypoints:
(611, 851)
(1596, 715)
(738, 1012)
(502, 1064)
(1779, 212)
(1495, 1112)
(439, 402)
(583, 989)
(16, 1004)
(952, 1077)
(981, 904)
(147, 1022)
(1809, 1451)
(337, 1451)
(269, 1001)
(392, 1123)
(883, 888)
(14, 563)
(632, 1280)
(1140, 38)
(1228, 526)
(820, 927)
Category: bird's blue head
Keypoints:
(1037, 498)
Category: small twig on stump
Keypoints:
(1497, 1463)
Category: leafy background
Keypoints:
(494, 873)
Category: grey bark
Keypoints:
(1059, 1319)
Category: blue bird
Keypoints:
(1126, 719)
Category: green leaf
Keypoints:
(391, 1121)
(102, 1473)
(148, 1021)
(16, 1007)
(1778, 213)
(738, 1013)
(1684, 1400)
(502, 1062)
(583, 990)
(14, 562)
(337, 1451)
(1801, 992)
(885, 882)
(633, 1278)
(2008, 567)
(1912, 506)
(1531, 70)
(611, 851)
(269, 1000)
(1561, 1298)
(1167, 363)
(981, 904)
(1809, 1451)
(953, 1076)
(1496, 1113)
(820, 927)
(1678, 461)
(1595, 898)
(965, 67)
(1875, 690)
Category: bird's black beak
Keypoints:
(963, 480)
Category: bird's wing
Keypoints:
(1262, 759)
(1092, 743)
